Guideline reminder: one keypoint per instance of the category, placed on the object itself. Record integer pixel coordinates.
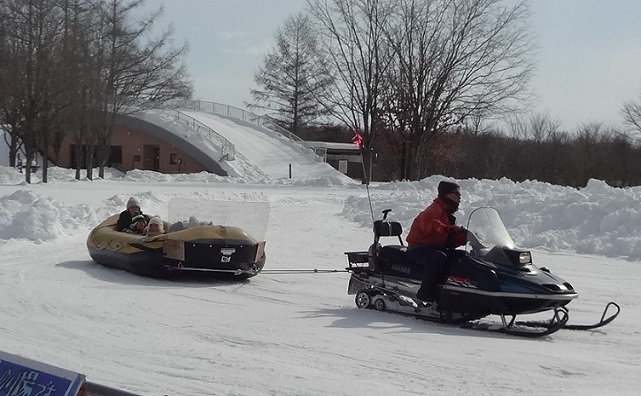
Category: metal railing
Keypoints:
(244, 115)
(228, 148)
(215, 108)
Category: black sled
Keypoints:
(491, 276)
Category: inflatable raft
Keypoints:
(217, 249)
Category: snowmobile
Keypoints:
(490, 276)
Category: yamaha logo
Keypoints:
(401, 268)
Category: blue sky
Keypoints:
(588, 58)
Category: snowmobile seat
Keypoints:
(384, 228)
(392, 261)
(393, 253)
(387, 228)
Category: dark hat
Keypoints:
(137, 218)
(446, 187)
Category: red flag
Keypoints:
(357, 139)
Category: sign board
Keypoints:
(23, 377)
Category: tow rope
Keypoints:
(302, 271)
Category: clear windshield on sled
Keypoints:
(486, 225)
(252, 217)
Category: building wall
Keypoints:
(334, 153)
(141, 150)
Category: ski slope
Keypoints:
(269, 151)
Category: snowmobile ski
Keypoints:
(602, 322)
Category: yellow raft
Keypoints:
(217, 249)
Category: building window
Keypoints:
(115, 156)
(78, 156)
(173, 158)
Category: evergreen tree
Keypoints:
(291, 77)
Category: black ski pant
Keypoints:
(434, 265)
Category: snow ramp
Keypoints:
(274, 154)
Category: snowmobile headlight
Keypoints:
(517, 257)
(525, 258)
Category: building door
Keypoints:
(151, 157)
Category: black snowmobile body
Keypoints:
(491, 276)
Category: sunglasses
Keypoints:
(458, 194)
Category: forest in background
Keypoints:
(433, 87)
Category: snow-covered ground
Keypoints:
(301, 334)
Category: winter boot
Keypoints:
(429, 290)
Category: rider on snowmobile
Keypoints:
(433, 233)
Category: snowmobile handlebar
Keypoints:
(474, 241)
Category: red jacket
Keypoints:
(434, 227)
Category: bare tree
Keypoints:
(133, 72)
(73, 66)
(619, 159)
(352, 39)
(632, 114)
(454, 59)
(4, 51)
(291, 76)
(31, 39)
(544, 142)
(9, 80)
(81, 29)
(588, 156)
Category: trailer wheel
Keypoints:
(379, 304)
(362, 299)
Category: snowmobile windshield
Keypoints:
(488, 235)
(252, 217)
